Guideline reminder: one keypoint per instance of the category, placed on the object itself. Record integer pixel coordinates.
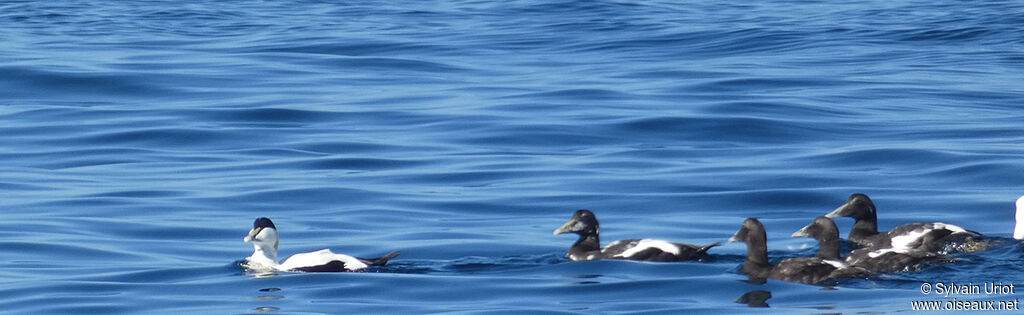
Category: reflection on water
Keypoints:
(755, 298)
(756, 280)
(267, 297)
(254, 272)
(265, 309)
(585, 277)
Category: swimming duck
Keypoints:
(811, 270)
(860, 261)
(264, 239)
(588, 246)
(1018, 231)
(927, 236)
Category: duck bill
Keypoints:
(838, 211)
(738, 237)
(566, 228)
(252, 235)
(802, 232)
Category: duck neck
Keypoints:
(828, 248)
(864, 228)
(757, 250)
(263, 255)
(587, 243)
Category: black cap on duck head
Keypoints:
(258, 227)
(583, 222)
(263, 222)
(858, 206)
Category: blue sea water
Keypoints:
(140, 139)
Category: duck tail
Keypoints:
(380, 261)
(709, 246)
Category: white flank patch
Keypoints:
(884, 251)
(835, 263)
(649, 243)
(905, 240)
(318, 258)
(954, 228)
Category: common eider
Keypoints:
(264, 239)
(811, 270)
(860, 261)
(926, 236)
(588, 246)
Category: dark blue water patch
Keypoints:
(98, 157)
(41, 251)
(394, 66)
(577, 94)
(996, 172)
(309, 195)
(83, 298)
(556, 8)
(755, 41)
(75, 84)
(358, 164)
(561, 138)
(727, 129)
(16, 186)
(473, 265)
(169, 136)
(349, 47)
(350, 147)
(161, 133)
(887, 157)
(258, 116)
(760, 108)
(76, 120)
(952, 35)
(476, 178)
(141, 194)
(773, 85)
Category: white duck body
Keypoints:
(320, 259)
(265, 240)
(1018, 231)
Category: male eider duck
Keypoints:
(860, 261)
(927, 236)
(263, 237)
(811, 270)
(1018, 231)
(588, 247)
